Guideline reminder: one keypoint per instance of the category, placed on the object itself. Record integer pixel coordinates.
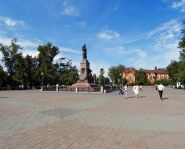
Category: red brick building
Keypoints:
(129, 74)
(152, 75)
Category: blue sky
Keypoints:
(135, 33)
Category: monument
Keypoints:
(85, 78)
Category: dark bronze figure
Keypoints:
(84, 52)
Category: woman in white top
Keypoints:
(136, 90)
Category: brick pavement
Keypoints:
(67, 120)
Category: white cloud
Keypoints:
(70, 50)
(163, 58)
(11, 22)
(32, 53)
(165, 42)
(69, 9)
(120, 51)
(172, 53)
(179, 5)
(164, 35)
(5, 40)
(108, 34)
(160, 48)
(139, 58)
(29, 46)
(171, 27)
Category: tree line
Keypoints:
(32, 72)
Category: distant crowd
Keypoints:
(123, 90)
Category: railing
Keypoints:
(105, 89)
(66, 88)
(72, 89)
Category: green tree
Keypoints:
(141, 77)
(124, 81)
(3, 78)
(182, 44)
(107, 80)
(10, 54)
(176, 71)
(95, 79)
(46, 56)
(163, 81)
(31, 72)
(20, 69)
(115, 73)
(68, 72)
(12, 58)
(173, 69)
(72, 76)
(101, 79)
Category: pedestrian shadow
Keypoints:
(135, 97)
(141, 96)
(131, 97)
(4, 97)
(165, 98)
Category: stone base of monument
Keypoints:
(84, 86)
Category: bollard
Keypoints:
(101, 89)
(76, 89)
(57, 89)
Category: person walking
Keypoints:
(136, 90)
(125, 90)
(160, 88)
(121, 90)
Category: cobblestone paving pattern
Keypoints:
(67, 120)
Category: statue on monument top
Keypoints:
(84, 52)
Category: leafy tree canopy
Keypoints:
(115, 73)
(141, 77)
(182, 44)
(11, 54)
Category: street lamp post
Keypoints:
(101, 79)
(101, 74)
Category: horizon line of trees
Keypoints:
(32, 72)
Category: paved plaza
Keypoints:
(68, 120)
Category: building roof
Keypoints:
(131, 69)
(156, 71)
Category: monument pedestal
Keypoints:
(86, 87)
(85, 77)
